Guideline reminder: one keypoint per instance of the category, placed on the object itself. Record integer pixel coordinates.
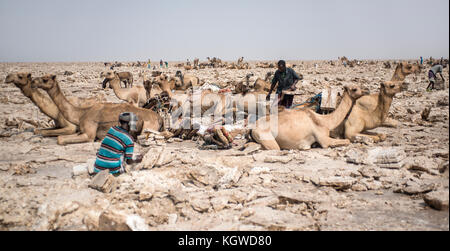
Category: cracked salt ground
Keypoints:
(398, 184)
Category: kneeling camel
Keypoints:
(95, 121)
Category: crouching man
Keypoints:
(117, 146)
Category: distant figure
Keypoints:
(167, 64)
(188, 63)
(432, 75)
(421, 60)
(286, 79)
(161, 63)
(148, 64)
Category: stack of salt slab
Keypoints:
(392, 158)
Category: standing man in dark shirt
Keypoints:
(286, 79)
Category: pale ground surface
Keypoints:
(218, 190)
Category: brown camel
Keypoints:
(196, 62)
(95, 121)
(371, 111)
(300, 128)
(263, 85)
(185, 81)
(47, 106)
(135, 95)
(244, 85)
(126, 78)
(404, 69)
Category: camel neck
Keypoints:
(44, 104)
(70, 112)
(398, 74)
(115, 85)
(334, 119)
(384, 103)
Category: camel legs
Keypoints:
(52, 132)
(325, 141)
(389, 122)
(266, 139)
(73, 139)
(89, 131)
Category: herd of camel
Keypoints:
(79, 120)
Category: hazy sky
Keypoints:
(109, 30)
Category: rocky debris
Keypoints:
(356, 156)
(391, 158)
(206, 175)
(363, 140)
(259, 170)
(279, 220)
(4, 167)
(442, 101)
(358, 187)
(116, 221)
(251, 148)
(443, 166)
(437, 199)
(425, 113)
(69, 208)
(79, 170)
(415, 187)
(230, 177)
(103, 182)
(278, 159)
(423, 164)
(371, 172)
(155, 156)
(200, 205)
(219, 203)
(68, 73)
(22, 169)
(338, 183)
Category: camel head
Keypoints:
(407, 68)
(390, 88)
(109, 75)
(20, 78)
(45, 82)
(354, 91)
(163, 82)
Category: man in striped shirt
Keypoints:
(117, 146)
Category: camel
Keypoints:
(185, 81)
(371, 111)
(95, 121)
(401, 71)
(196, 62)
(135, 95)
(263, 85)
(47, 106)
(243, 86)
(404, 69)
(300, 128)
(125, 77)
